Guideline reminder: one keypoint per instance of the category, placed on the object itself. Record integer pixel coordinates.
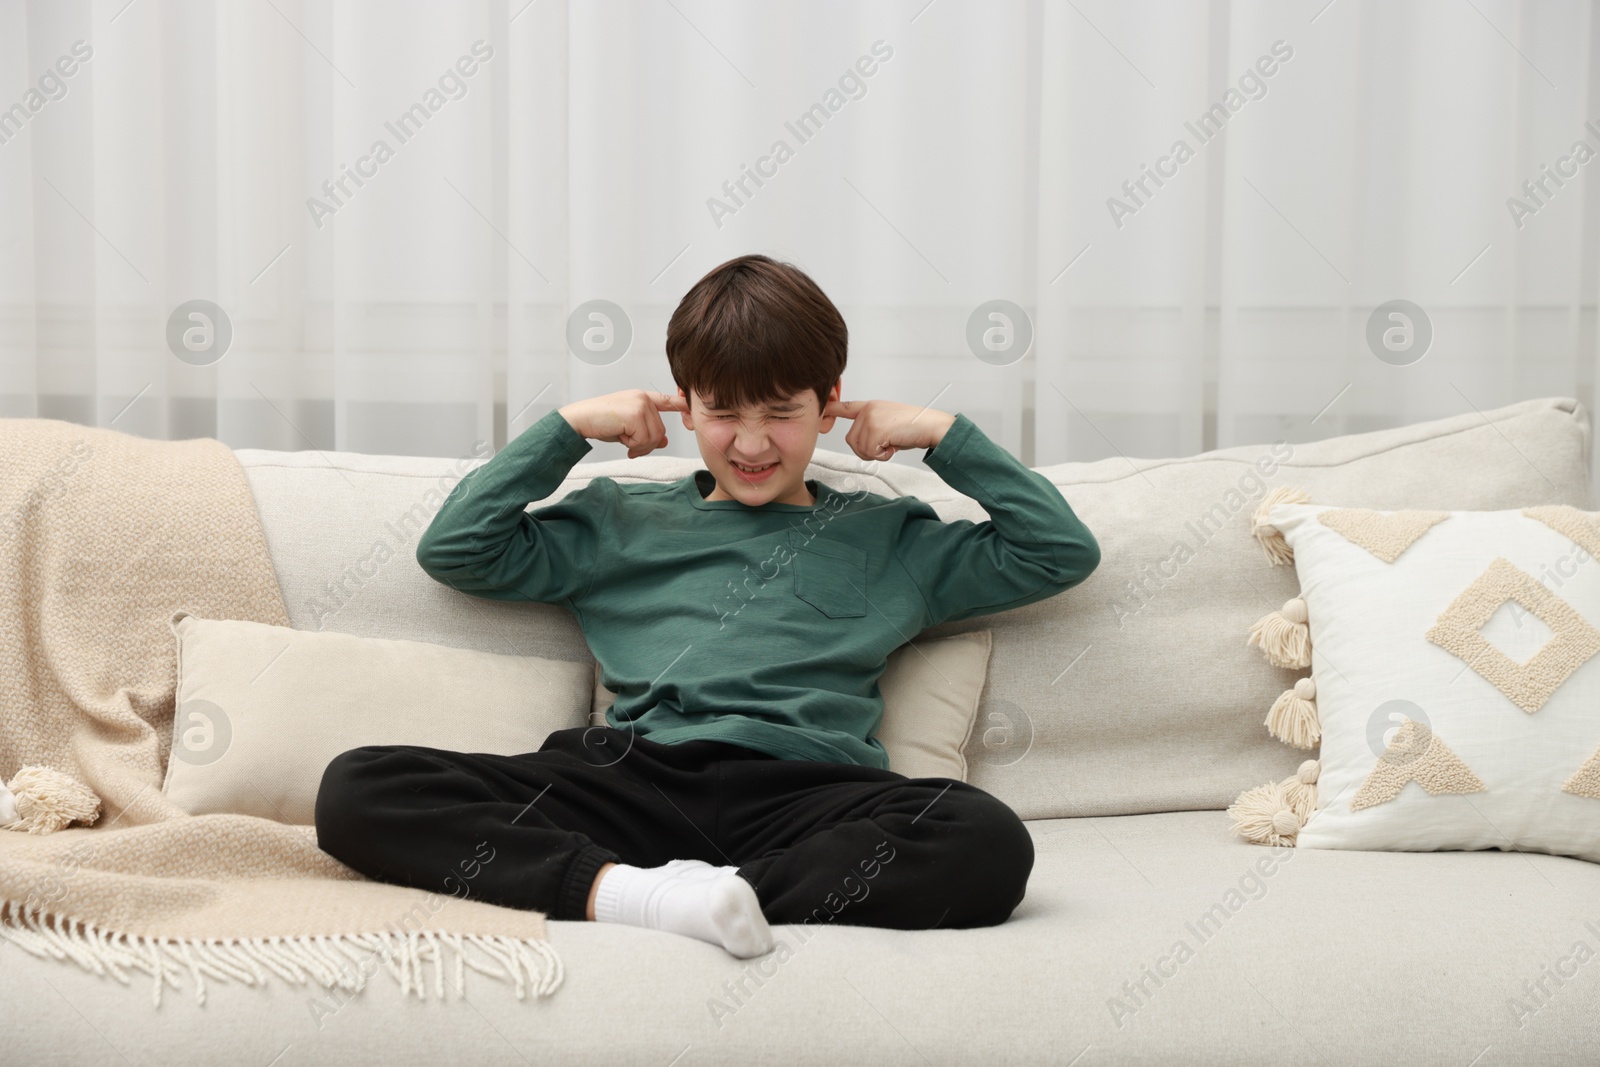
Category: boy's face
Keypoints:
(781, 432)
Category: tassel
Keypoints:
(1272, 542)
(1263, 816)
(1293, 718)
(529, 966)
(1300, 789)
(1283, 635)
(46, 800)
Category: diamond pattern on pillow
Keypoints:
(1415, 755)
(1385, 536)
(1529, 684)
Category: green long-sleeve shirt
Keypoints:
(764, 626)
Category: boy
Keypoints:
(743, 616)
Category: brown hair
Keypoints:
(753, 331)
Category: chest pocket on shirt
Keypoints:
(829, 575)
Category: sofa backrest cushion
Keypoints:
(1132, 692)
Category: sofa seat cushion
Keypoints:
(1336, 957)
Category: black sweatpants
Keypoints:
(829, 842)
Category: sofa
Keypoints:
(1119, 720)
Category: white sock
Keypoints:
(689, 897)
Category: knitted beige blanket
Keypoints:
(102, 536)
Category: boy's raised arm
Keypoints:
(484, 542)
(1033, 546)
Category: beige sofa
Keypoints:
(1119, 719)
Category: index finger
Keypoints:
(848, 409)
(668, 402)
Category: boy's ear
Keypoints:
(688, 423)
(826, 425)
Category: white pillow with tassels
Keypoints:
(1455, 679)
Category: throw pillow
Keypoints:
(262, 710)
(1454, 686)
(930, 700)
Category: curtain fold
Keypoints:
(419, 226)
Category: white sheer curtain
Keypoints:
(427, 308)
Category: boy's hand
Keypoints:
(631, 416)
(883, 427)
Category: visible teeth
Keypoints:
(753, 470)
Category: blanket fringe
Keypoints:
(341, 961)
